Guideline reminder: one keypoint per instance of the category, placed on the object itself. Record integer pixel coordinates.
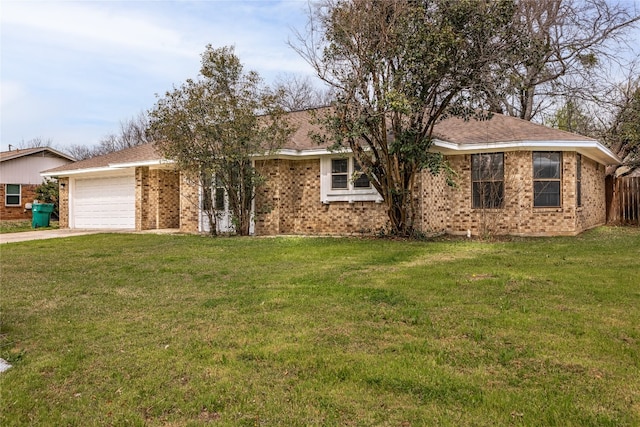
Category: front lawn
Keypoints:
(186, 330)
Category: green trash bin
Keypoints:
(41, 214)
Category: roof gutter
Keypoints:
(589, 148)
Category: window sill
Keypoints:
(352, 196)
(487, 209)
(542, 209)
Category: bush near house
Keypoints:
(185, 330)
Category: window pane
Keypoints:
(362, 181)
(488, 195)
(13, 189)
(546, 193)
(546, 165)
(339, 181)
(487, 167)
(219, 194)
(487, 173)
(13, 200)
(339, 166)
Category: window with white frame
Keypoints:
(339, 174)
(12, 195)
(342, 180)
(345, 177)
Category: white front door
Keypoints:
(220, 201)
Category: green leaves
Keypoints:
(397, 67)
(216, 124)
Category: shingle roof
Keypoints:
(304, 124)
(453, 130)
(499, 128)
(137, 154)
(22, 152)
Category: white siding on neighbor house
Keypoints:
(26, 170)
(103, 202)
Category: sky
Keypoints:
(72, 71)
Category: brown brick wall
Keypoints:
(289, 203)
(593, 210)
(157, 199)
(143, 198)
(166, 187)
(449, 209)
(27, 195)
(189, 204)
(63, 203)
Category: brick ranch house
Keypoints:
(513, 177)
(20, 176)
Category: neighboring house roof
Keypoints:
(451, 136)
(22, 152)
(140, 155)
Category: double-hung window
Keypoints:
(547, 176)
(345, 177)
(343, 180)
(12, 195)
(487, 176)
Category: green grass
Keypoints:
(19, 225)
(186, 330)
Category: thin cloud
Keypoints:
(72, 70)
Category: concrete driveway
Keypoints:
(50, 234)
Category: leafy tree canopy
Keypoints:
(397, 67)
(215, 125)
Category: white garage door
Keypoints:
(104, 202)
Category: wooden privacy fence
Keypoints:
(623, 200)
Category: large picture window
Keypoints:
(547, 177)
(487, 176)
(12, 195)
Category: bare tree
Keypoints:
(132, 132)
(80, 152)
(37, 142)
(623, 134)
(610, 114)
(567, 39)
(299, 93)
